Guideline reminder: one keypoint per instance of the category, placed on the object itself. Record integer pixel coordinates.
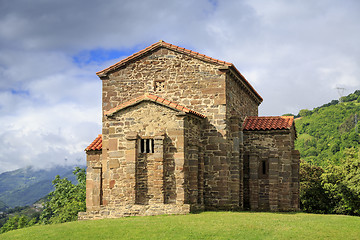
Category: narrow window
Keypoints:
(146, 146)
(264, 167)
(148, 149)
(152, 145)
(142, 145)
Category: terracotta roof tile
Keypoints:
(153, 98)
(268, 123)
(96, 144)
(177, 49)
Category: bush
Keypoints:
(17, 222)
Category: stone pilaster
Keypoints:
(295, 165)
(93, 181)
(179, 159)
(254, 182)
(273, 183)
(156, 172)
(235, 185)
(201, 177)
(129, 171)
(192, 171)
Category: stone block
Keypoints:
(113, 144)
(113, 163)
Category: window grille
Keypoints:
(159, 86)
(146, 145)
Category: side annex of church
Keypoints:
(181, 133)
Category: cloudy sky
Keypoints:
(295, 54)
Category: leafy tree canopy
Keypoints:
(66, 200)
(328, 141)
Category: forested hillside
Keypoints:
(60, 205)
(328, 141)
(3, 206)
(26, 185)
(325, 133)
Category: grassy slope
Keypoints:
(207, 225)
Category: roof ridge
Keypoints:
(270, 117)
(153, 98)
(268, 122)
(161, 43)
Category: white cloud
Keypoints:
(50, 109)
(47, 135)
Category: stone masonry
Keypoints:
(180, 134)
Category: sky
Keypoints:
(294, 53)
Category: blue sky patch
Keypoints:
(20, 92)
(100, 55)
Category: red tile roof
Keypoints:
(96, 144)
(153, 98)
(180, 50)
(268, 123)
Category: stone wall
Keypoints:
(169, 180)
(124, 164)
(271, 170)
(240, 103)
(200, 86)
(134, 210)
(187, 81)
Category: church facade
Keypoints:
(181, 133)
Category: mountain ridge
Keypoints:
(24, 186)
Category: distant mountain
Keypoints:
(326, 134)
(3, 206)
(25, 186)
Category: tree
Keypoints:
(10, 224)
(17, 222)
(66, 200)
(304, 112)
(342, 183)
(313, 197)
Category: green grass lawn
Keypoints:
(206, 225)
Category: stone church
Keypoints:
(181, 133)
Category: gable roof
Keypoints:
(96, 144)
(268, 123)
(162, 44)
(157, 45)
(156, 99)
